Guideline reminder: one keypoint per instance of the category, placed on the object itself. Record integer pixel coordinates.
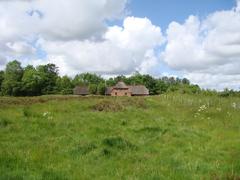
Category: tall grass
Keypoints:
(170, 136)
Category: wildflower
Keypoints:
(228, 113)
(45, 114)
(196, 114)
(234, 105)
(219, 109)
(50, 118)
(202, 108)
(48, 115)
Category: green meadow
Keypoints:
(169, 136)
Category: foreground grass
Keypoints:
(162, 137)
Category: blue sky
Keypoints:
(162, 12)
(196, 39)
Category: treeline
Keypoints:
(44, 79)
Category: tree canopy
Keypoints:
(45, 79)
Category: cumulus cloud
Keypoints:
(22, 21)
(210, 47)
(215, 81)
(59, 19)
(71, 20)
(20, 48)
(119, 53)
(75, 35)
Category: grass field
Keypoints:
(161, 137)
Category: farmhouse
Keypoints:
(120, 89)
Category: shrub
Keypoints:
(108, 106)
(118, 143)
(4, 122)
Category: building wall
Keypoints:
(121, 92)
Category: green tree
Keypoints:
(136, 79)
(11, 84)
(151, 84)
(101, 89)
(1, 79)
(111, 82)
(92, 88)
(147, 80)
(31, 81)
(49, 75)
(120, 78)
(162, 86)
(185, 81)
(87, 79)
(64, 85)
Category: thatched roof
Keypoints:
(80, 90)
(121, 85)
(109, 90)
(139, 90)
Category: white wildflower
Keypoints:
(45, 114)
(202, 108)
(48, 115)
(234, 105)
(219, 109)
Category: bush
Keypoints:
(118, 143)
(108, 106)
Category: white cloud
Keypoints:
(74, 19)
(75, 36)
(215, 81)
(119, 53)
(20, 48)
(21, 22)
(207, 49)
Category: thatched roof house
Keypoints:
(81, 90)
(139, 90)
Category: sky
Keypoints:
(195, 39)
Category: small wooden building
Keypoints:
(81, 90)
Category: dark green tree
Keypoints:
(120, 78)
(49, 75)
(64, 85)
(31, 82)
(87, 79)
(185, 81)
(101, 89)
(1, 80)
(92, 88)
(162, 87)
(11, 84)
(111, 82)
(151, 84)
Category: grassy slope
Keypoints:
(167, 138)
